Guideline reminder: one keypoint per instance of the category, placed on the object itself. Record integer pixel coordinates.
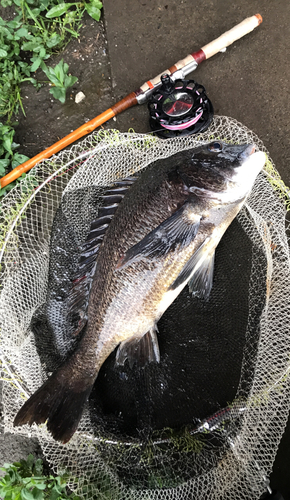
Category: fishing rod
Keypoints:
(141, 95)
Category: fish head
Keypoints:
(222, 171)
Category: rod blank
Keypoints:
(185, 66)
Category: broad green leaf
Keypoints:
(3, 165)
(51, 75)
(59, 71)
(7, 143)
(38, 494)
(13, 24)
(53, 41)
(59, 488)
(26, 494)
(27, 480)
(42, 52)
(96, 3)
(69, 81)
(58, 10)
(14, 145)
(58, 93)
(6, 3)
(93, 11)
(38, 463)
(45, 3)
(6, 47)
(22, 32)
(34, 46)
(18, 159)
(5, 31)
(24, 66)
(35, 13)
(36, 64)
(3, 53)
(53, 495)
(40, 486)
(16, 48)
(53, 79)
(3, 130)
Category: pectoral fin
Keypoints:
(198, 272)
(139, 349)
(178, 230)
(200, 284)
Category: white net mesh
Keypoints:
(226, 458)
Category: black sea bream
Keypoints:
(162, 237)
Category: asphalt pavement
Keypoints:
(248, 82)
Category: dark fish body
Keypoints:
(162, 237)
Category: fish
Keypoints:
(157, 234)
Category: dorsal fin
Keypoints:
(82, 282)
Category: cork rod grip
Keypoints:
(232, 35)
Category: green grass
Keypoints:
(26, 480)
(39, 29)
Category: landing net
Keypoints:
(206, 423)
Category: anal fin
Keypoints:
(139, 350)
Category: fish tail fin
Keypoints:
(60, 402)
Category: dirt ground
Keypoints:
(47, 120)
(138, 39)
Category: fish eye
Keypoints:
(215, 146)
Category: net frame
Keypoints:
(25, 223)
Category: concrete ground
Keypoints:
(248, 82)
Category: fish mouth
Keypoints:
(239, 152)
(248, 151)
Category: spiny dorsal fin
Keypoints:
(79, 294)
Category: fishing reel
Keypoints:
(179, 108)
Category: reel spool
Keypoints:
(179, 108)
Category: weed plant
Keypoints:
(25, 480)
(39, 29)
